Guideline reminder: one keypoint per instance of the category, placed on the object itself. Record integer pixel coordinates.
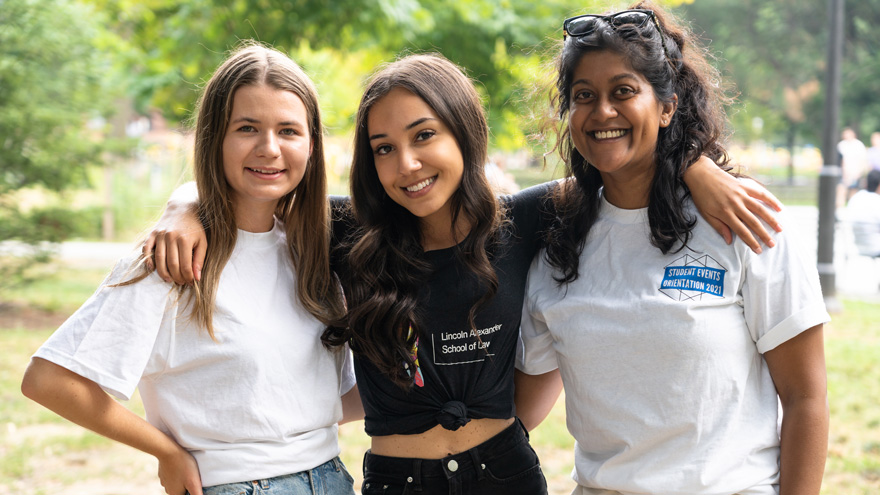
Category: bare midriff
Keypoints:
(438, 442)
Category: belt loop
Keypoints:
(416, 475)
(264, 484)
(364, 463)
(337, 464)
(522, 427)
(478, 466)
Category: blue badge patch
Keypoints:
(688, 278)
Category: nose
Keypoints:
(407, 162)
(269, 146)
(604, 109)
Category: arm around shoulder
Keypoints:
(178, 241)
(729, 204)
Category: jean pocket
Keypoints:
(228, 489)
(519, 465)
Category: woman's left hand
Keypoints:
(729, 204)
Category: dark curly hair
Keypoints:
(696, 129)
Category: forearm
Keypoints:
(535, 396)
(804, 446)
(83, 402)
(352, 407)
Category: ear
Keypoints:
(667, 111)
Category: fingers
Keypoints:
(159, 259)
(185, 262)
(172, 259)
(753, 222)
(195, 489)
(178, 258)
(199, 259)
(147, 251)
(756, 191)
(744, 232)
(760, 209)
(721, 228)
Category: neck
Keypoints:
(438, 234)
(255, 218)
(630, 192)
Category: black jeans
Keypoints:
(503, 465)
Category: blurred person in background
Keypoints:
(874, 152)
(863, 214)
(853, 164)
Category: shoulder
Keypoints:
(531, 205)
(531, 196)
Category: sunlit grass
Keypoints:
(58, 288)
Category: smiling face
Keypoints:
(614, 117)
(418, 160)
(266, 150)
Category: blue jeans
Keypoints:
(329, 478)
(503, 465)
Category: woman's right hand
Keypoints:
(177, 242)
(179, 474)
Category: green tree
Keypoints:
(55, 78)
(500, 42)
(775, 52)
(861, 68)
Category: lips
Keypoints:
(421, 185)
(265, 172)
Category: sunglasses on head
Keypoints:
(585, 25)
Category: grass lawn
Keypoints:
(43, 454)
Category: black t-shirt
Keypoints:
(457, 379)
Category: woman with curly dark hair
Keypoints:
(674, 347)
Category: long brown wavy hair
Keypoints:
(697, 128)
(304, 212)
(386, 261)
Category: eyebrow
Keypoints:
(415, 123)
(252, 120)
(625, 75)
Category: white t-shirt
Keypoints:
(666, 390)
(261, 402)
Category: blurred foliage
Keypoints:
(339, 43)
(67, 65)
(56, 89)
(54, 78)
(775, 53)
